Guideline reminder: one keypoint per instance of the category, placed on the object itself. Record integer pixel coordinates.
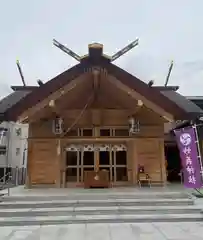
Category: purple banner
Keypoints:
(187, 144)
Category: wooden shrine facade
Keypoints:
(110, 123)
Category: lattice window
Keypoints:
(88, 147)
(119, 147)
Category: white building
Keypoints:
(13, 148)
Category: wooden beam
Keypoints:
(112, 140)
(96, 76)
(54, 96)
(120, 97)
(36, 116)
(138, 96)
(138, 107)
(96, 117)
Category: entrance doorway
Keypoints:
(114, 161)
(120, 166)
(105, 163)
(88, 163)
(173, 163)
(72, 166)
(112, 158)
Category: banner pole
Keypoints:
(199, 151)
(189, 147)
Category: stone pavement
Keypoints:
(21, 191)
(29, 207)
(114, 231)
(89, 231)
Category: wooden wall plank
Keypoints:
(45, 164)
(149, 155)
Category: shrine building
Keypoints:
(96, 125)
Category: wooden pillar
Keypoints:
(162, 162)
(58, 163)
(29, 158)
(96, 164)
(135, 161)
(96, 153)
(63, 166)
(132, 161)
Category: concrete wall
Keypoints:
(16, 145)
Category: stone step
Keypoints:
(101, 196)
(113, 210)
(53, 220)
(96, 203)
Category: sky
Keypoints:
(167, 30)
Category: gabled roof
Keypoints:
(97, 59)
(166, 88)
(198, 98)
(183, 102)
(19, 92)
(11, 100)
(23, 88)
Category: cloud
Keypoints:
(187, 75)
(4, 90)
(146, 67)
(167, 30)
